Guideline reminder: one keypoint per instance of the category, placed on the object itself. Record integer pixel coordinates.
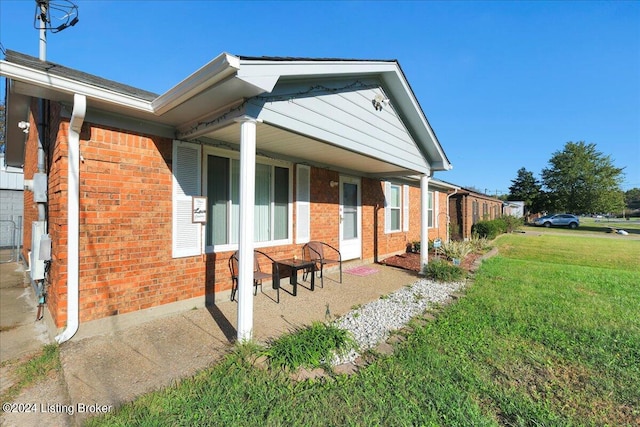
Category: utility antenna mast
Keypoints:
(64, 11)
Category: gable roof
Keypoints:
(218, 88)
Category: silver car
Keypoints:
(559, 220)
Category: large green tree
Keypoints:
(583, 180)
(632, 198)
(525, 188)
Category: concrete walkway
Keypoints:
(20, 334)
(102, 372)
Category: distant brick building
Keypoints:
(467, 207)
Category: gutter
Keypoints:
(49, 81)
(214, 72)
(73, 222)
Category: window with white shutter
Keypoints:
(186, 165)
(396, 207)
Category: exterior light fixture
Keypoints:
(379, 101)
(24, 126)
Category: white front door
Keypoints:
(350, 218)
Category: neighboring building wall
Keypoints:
(514, 209)
(467, 208)
(126, 261)
(11, 207)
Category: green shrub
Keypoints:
(312, 346)
(512, 223)
(454, 249)
(414, 247)
(491, 229)
(486, 229)
(479, 244)
(441, 271)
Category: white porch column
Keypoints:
(246, 238)
(424, 221)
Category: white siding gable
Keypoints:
(342, 113)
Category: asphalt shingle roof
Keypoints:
(62, 71)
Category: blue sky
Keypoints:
(503, 84)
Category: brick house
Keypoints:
(280, 151)
(467, 208)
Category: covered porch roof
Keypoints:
(357, 116)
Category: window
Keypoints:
(475, 206)
(396, 208)
(272, 201)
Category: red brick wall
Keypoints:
(57, 213)
(461, 207)
(325, 206)
(30, 213)
(125, 226)
(125, 241)
(440, 216)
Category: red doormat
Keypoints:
(363, 270)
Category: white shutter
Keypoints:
(435, 205)
(387, 207)
(186, 164)
(405, 208)
(303, 203)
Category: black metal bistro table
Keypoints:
(290, 266)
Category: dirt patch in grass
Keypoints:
(566, 385)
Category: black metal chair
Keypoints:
(322, 254)
(258, 274)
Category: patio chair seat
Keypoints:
(258, 274)
(322, 254)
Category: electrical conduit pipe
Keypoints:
(73, 222)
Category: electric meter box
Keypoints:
(40, 187)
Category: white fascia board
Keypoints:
(63, 84)
(437, 183)
(215, 71)
(423, 128)
(434, 183)
(265, 74)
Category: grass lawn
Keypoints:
(596, 226)
(548, 335)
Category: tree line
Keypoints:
(579, 179)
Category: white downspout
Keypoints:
(73, 221)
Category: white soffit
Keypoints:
(299, 148)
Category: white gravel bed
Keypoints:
(372, 323)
